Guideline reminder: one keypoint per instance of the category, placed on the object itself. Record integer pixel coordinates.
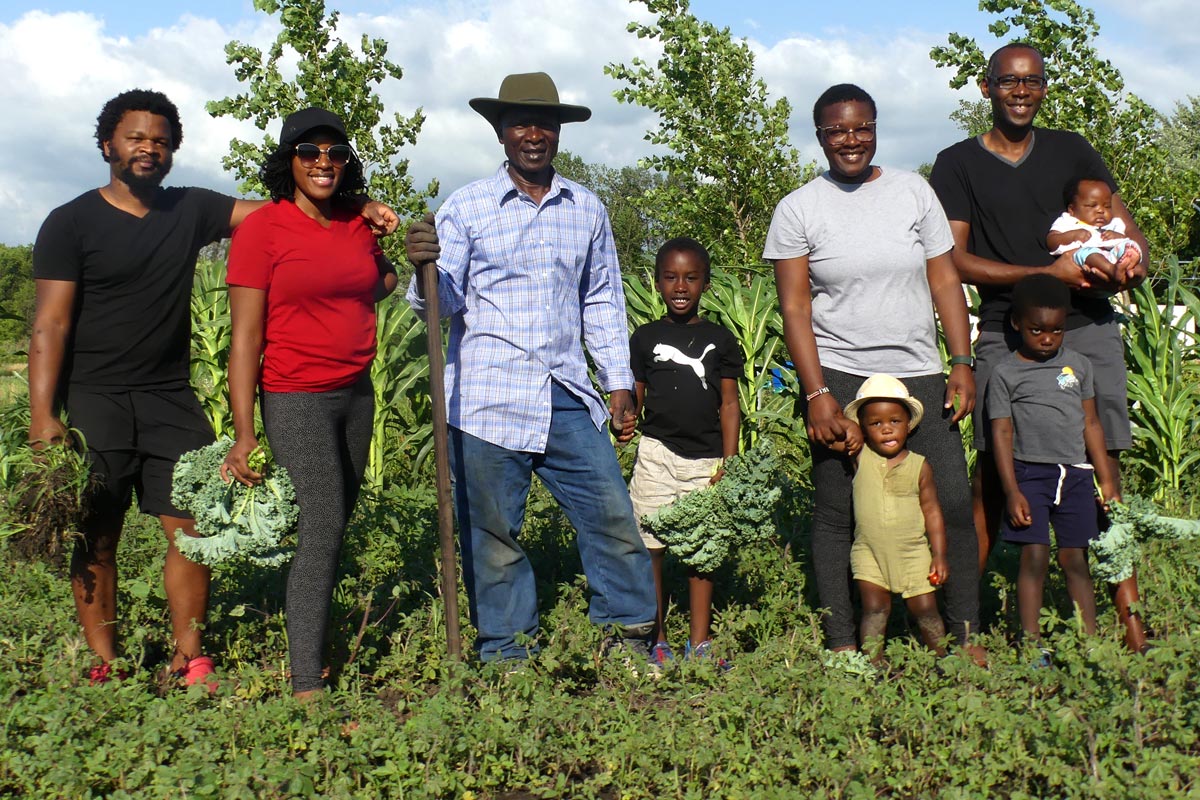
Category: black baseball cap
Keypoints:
(300, 122)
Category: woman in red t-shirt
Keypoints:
(304, 276)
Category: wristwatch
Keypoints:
(968, 360)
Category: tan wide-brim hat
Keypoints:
(885, 387)
(528, 90)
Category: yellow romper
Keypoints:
(890, 548)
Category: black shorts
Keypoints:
(134, 439)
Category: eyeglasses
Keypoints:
(1033, 82)
(836, 136)
(338, 154)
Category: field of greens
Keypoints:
(402, 722)
(786, 721)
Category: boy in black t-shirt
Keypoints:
(685, 371)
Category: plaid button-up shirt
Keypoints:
(526, 287)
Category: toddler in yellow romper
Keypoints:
(895, 509)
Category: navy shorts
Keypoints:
(134, 439)
(1060, 495)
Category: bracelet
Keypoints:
(967, 360)
(808, 398)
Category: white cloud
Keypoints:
(59, 69)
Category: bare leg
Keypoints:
(186, 583)
(700, 593)
(1125, 594)
(929, 621)
(660, 592)
(1073, 561)
(987, 500)
(94, 585)
(876, 608)
(1031, 580)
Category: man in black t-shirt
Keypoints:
(1001, 192)
(110, 344)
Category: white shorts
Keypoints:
(661, 477)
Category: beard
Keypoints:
(144, 181)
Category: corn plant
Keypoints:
(211, 337)
(403, 427)
(1162, 353)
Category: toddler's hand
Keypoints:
(1107, 235)
(939, 570)
(854, 439)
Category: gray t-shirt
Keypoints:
(1044, 399)
(867, 246)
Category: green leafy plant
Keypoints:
(704, 527)
(46, 494)
(1119, 549)
(1163, 356)
(233, 520)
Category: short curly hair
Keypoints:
(137, 100)
(1039, 290)
(276, 175)
(682, 244)
(842, 93)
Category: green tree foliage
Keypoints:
(729, 160)
(1181, 135)
(16, 294)
(331, 74)
(636, 231)
(1087, 95)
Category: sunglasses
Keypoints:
(338, 154)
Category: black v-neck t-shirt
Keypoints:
(1010, 207)
(131, 326)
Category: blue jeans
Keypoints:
(580, 469)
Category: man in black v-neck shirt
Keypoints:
(111, 340)
(1001, 192)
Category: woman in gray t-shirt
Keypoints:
(862, 259)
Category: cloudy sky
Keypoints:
(61, 59)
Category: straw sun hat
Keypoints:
(885, 387)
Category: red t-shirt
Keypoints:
(320, 283)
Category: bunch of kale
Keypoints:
(1119, 549)
(703, 527)
(233, 520)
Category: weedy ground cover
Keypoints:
(401, 722)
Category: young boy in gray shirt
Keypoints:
(1045, 429)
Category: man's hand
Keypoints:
(1066, 270)
(380, 218)
(624, 416)
(421, 242)
(50, 431)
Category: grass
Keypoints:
(401, 722)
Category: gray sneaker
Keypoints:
(631, 645)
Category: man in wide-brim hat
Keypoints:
(527, 269)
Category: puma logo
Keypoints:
(665, 352)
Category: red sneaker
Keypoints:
(103, 673)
